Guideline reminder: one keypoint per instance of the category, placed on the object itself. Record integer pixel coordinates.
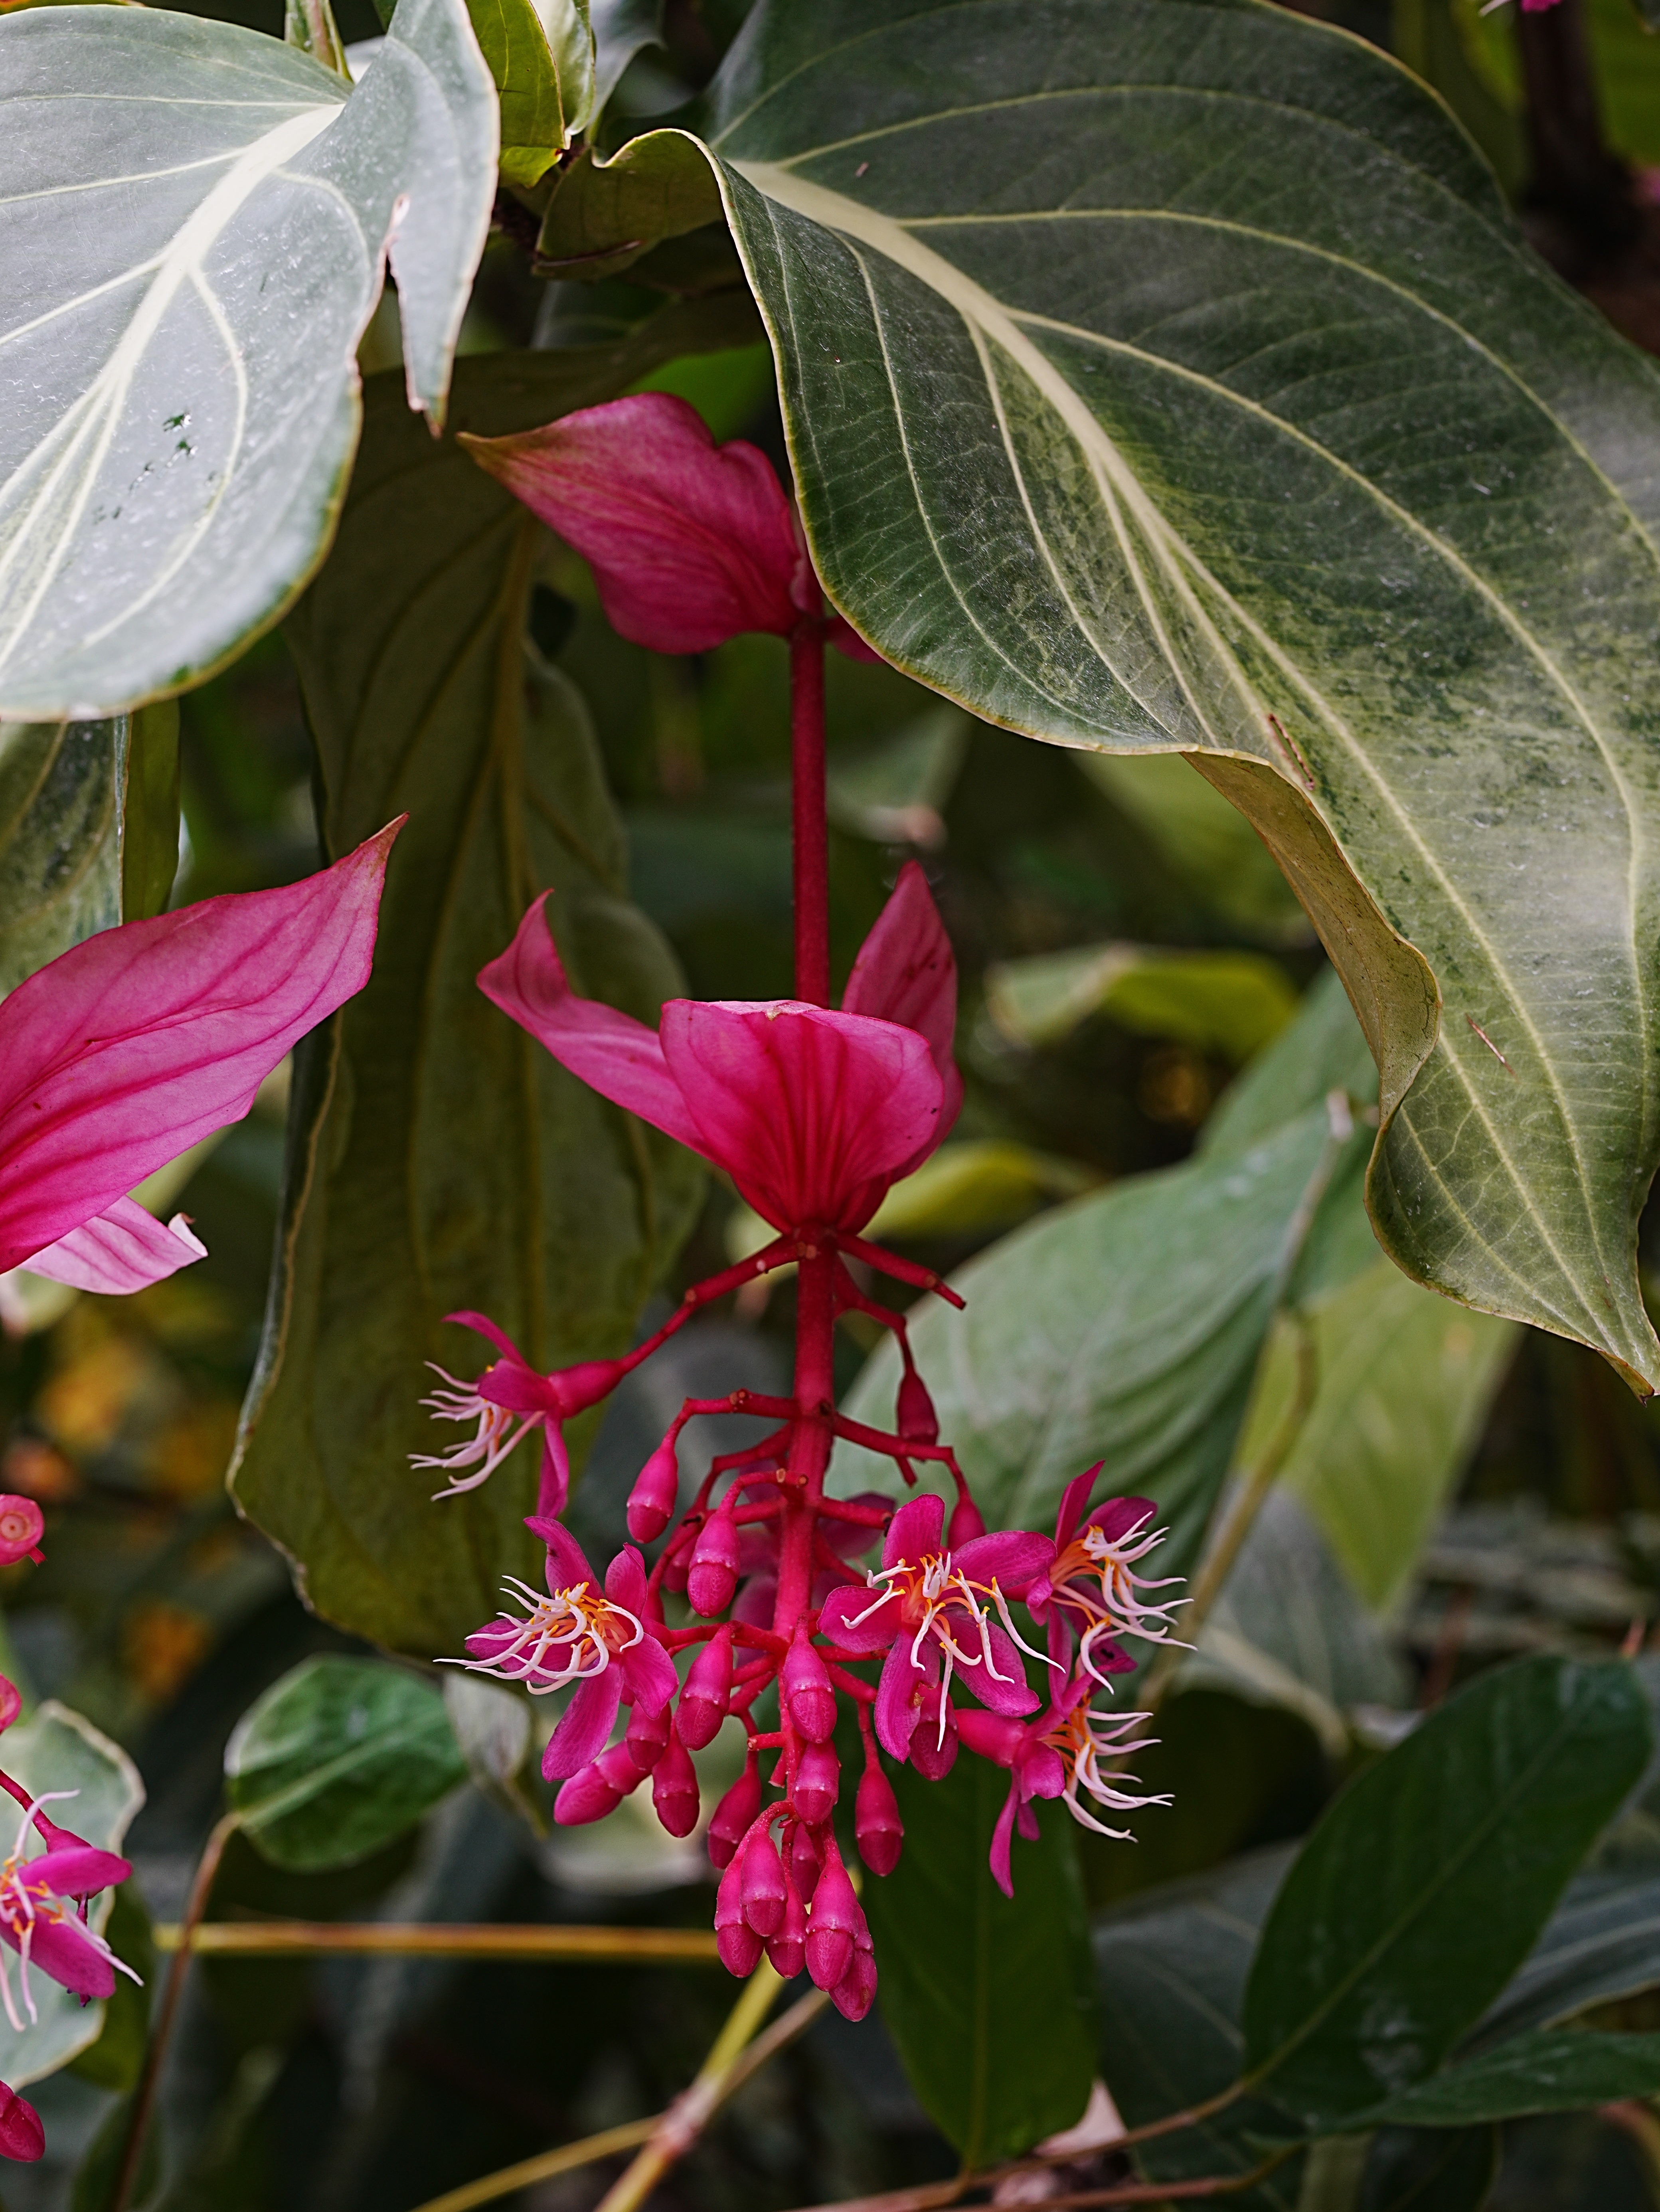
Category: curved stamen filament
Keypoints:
(579, 1624)
(497, 1436)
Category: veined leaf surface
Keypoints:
(1168, 374)
(194, 221)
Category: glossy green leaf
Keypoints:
(1603, 1942)
(1233, 1003)
(1556, 2070)
(1208, 843)
(60, 839)
(988, 1998)
(1438, 2170)
(440, 1159)
(1170, 1972)
(338, 1759)
(1426, 1886)
(1405, 1382)
(193, 220)
(621, 28)
(1124, 1327)
(56, 1749)
(605, 216)
(1111, 325)
(543, 75)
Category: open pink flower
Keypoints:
(1093, 1584)
(689, 543)
(812, 1113)
(508, 1401)
(599, 1640)
(118, 1055)
(39, 1918)
(925, 1605)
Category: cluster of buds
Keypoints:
(756, 1588)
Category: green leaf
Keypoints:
(1556, 2070)
(621, 28)
(150, 811)
(605, 216)
(309, 26)
(967, 1188)
(544, 75)
(1406, 1379)
(55, 1750)
(893, 792)
(115, 2061)
(1170, 1972)
(1233, 1003)
(185, 330)
(440, 1159)
(1208, 843)
(1437, 2170)
(1122, 1327)
(1112, 326)
(1603, 1942)
(60, 839)
(1322, 1051)
(1427, 1883)
(988, 1998)
(338, 1759)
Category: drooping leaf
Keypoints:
(439, 1160)
(1233, 1003)
(1603, 1942)
(1111, 325)
(988, 1998)
(338, 1758)
(1170, 1974)
(1554, 2070)
(60, 839)
(193, 221)
(1405, 1381)
(605, 216)
(1426, 1884)
(1124, 1327)
(56, 1749)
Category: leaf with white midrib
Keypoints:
(1167, 375)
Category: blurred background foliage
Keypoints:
(1125, 948)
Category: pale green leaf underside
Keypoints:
(1155, 367)
(193, 224)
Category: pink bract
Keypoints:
(120, 1054)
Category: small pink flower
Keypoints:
(925, 1605)
(813, 1114)
(40, 1919)
(508, 1401)
(1093, 1580)
(599, 1640)
(118, 1055)
(689, 543)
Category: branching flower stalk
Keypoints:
(756, 1589)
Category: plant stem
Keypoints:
(143, 2102)
(1211, 1578)
(566, 2159)
(269, 1939)
(810, 828)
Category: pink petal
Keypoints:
(78, 1869)
(1119, 1517)
(1074, 1499)
(1002, 1839)
(1042, 1771)
(566, 1566)
(843, 1607)
(22, 2135)
(1010, 1556)
(118, 1055)
(812, 1113)
(992, 1736)
(648, 1674)
(843, 636)
(582, 1734)
(553, 1481)
(120, 1249)
(63, 1949)
(612, 1054)
(906, 972)
(1011, 1694)
(625, 1581)
(915, 1529)
(1026, 1820)
(689, 543)
(897, 1710)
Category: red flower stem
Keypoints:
(778, 1253)
(864, 1516)
(895, 1448)
(810, 828)
(864, 1691)
(902, 1271)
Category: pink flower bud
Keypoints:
(918, 1422)
(931, 1754)
(702, 1704)
(804, 1684)
(11, 1702)
(573, 1390)
(877, 1827)
(597, 1789)
(787, 1950)
(647, 1736)
(765, 1890)
(835, 1921)
(713, 1574)
(22, 2135)
(854, 1994)
(818, 1783)
(652, 1500)
(674, 1787)
(733, 1814)
(967, 1522)
(21, 1526)
(804, 1861)
(676, 1570)
(738, 1946)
